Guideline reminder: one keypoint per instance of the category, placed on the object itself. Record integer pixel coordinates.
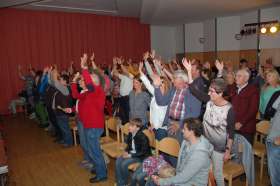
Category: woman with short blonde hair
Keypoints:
(272, 85)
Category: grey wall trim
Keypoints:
(216, 39)
(258, 40)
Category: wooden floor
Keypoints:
(35, 160)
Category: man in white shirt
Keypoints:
(126, 86)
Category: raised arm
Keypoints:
(86, 74)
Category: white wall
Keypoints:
(248, 42)
(167, 41)
(272, 41)
(227, 27)
(209, 35)
(193, 32)
(163, 41)
(179, 36)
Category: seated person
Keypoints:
(194, 158)
(137, 150)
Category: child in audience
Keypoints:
(137, 150)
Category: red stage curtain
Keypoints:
(40, 38)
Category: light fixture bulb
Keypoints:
(273, 29)
(263, 30)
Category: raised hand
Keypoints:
(92, 57)
(19, 67)
(187, 64)
(141, 67)
(153, 54)
(156, 80)
(219, 65)
(76, 76)
(145, 56)
(84, 61)
(46, 69)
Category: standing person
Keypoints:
(29, 83)
(273, 146)
(80, 104)
(139, 102)
(61, 100)
(157, 112)
(271, 86)
(91, 115)
(245, 102)
(218, 122)
(126, 85)
(181, 104)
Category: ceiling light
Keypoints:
(273, 29)
(263, 30)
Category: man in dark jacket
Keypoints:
(245, 101)
(137, 150)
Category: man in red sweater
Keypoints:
(91, 114)
(245, 101)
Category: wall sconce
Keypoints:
(238, 36)
(201, 40)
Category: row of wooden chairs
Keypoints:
(115, 148)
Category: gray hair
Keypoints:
(181, 75)
(246, 72)
(219, 85)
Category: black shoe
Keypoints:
(95, 179)
(93, 171)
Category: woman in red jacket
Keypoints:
(91, 115)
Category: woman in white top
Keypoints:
(157, 113)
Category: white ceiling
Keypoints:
(149, 11)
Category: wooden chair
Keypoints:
(111, 124)
(116, 149)
(259, 148)
(74, 128)
(168, 146)
(232, 170)
(262, 128)
(260, 151)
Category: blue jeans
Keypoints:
(121, 169)
(160, 134)
(94, 151)
(273, 158)
(63, 124)
(82, 137)
(150, 182)
(138, 177)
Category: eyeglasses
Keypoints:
(211, 91)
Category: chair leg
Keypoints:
(262, 162)
(75, 137)
(230, 181)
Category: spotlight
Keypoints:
(273, 29)
(263, 30)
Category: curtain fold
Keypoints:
(43, 38)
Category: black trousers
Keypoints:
(124, 109)
(52, 119)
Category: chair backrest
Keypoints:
(111, 124)
(262, 127)
(151, 137)
(169, 146)
(211, 178)
(124, 131)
